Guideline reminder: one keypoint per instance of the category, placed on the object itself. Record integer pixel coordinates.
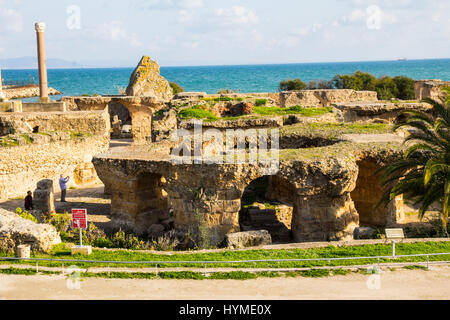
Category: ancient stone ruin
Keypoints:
(331, 145)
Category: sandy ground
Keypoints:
(393, 285)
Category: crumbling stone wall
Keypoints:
(323, 208)
(21, 167)
(88, 122)
(430, 89)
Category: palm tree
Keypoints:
(423, 174)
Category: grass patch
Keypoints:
(260, 102)
(221, 99)
(197, 112)
(26, 272)
(63, 252)
(8, 142)
(415, 268)
(295, 110)
(27, 138)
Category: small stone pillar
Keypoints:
(43, 84)
(23, 251)
(44, 199)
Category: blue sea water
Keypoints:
(246, 78)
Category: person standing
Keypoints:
(29, 201)
(63, 185)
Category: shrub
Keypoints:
(260, 102)
(127, 241)
(386, 88)
(167, 242)
(61, 222)
(405, 87)
(357, 81)
(25, 215)
(292, 85)
(176, 88)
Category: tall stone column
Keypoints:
(2, 95)
(43, 84)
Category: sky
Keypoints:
(213, 32)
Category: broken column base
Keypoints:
(23, 251)
(83, 250)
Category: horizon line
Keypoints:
(220, 65)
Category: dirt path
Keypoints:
(400, 284)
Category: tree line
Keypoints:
(387, 88)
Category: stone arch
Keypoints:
(267, 204)
(368, 193)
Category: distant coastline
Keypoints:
(243, 78)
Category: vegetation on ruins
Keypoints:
(292, 85)
(260, 102)
(422, 176)
(197, 112)
(176, 87)
(25, 215)
(295, 110)
(388, 88)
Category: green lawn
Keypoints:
(61, 252)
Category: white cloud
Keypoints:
(11, 20)
(173, 4)
(113, 30)
(236, 15)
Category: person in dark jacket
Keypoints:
(29, 201)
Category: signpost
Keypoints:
(80, 222)
(394, 234)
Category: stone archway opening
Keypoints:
(267, 204)
(151, 203)
(368, 193)
(121, 121)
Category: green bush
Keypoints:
(25, 215)
(176, 87)
(386, 88)
(358, 81)
(260, 102)
(405, 87)
(61, 222)
(292, 85)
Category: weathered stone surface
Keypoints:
(164, 125)
(314, 98)
(190, 95)
(47, 158)
(248, 239)
(320, 192)
(364, 233)
(89, 122)
(147, 81)
(378, 112)
(44, 199)
(15, 231)
(430, 89)
(155, 231)
(26, 92)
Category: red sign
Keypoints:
(79, 218)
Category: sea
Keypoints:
(242, 78)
